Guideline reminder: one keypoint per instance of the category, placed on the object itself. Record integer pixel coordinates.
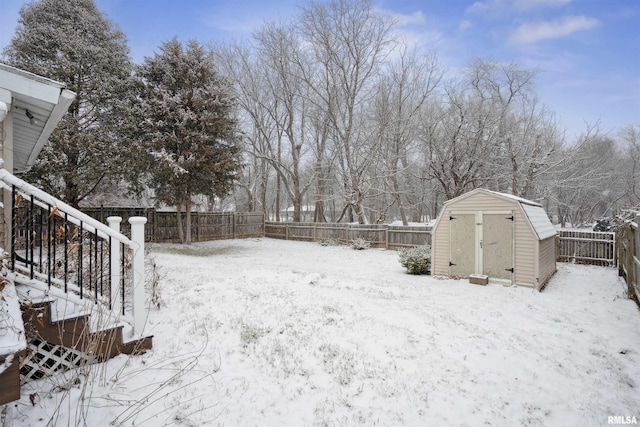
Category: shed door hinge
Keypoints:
(451, 264)
(511, 218)
(509, 269)
(451, 218)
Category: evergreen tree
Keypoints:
(72, 42)
(188, 126)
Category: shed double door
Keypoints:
(481, 242)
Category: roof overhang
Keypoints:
(46, 101)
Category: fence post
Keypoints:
(631, 266)
(386, 238)
(233, 225)
(114, 266)
(137, 271)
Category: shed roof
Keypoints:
(539, 221)
(534, 212)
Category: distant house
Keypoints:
(306, 213)
(508, 238)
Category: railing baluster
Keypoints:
(109, 283)
(30, 239)
(14, 227)
(95, 266)
(40, 238)
(90, 278)
(80, 249)
(123, 249)
(102, 267)
(54, 239)
(49, 240)
(66, 252)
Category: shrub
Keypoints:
(330, 241)
(360, 244)
(416, 260)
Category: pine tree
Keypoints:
(72, 42)
(188, 126)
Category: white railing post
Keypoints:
(137, 271)
(115, 271)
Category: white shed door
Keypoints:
(481, 243)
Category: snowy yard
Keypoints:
(273, 333)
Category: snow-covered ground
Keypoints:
(274, 333)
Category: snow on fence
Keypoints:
(162, 227)
(378, 235)
(586, 247)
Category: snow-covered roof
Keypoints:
(539, 221)
(512, 197)
(535, 213)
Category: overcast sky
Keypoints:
(587, 51)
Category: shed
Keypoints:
(508, 238)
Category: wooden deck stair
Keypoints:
(88, 331)
(60, 265)
(61, 335)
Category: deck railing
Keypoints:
(76, 256)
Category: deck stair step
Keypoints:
(64, 333)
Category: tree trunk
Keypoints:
(187, 206)
(179, 222)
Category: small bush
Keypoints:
(360, 244)
(330, 241)
(416, 260)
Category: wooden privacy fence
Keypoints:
(162, 227)
(378, 235)
(586, 247)
(629, 257)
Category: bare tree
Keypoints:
(349, 42)
(526, 134)
(280, 57)
(456, 135)
(586, 183)
(239, 63)
(402, 94)
(630, 139)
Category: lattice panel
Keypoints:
(44, 359)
